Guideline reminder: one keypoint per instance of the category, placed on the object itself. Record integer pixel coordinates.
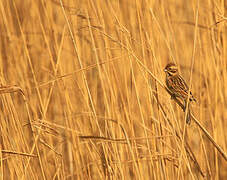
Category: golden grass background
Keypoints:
(93, 107)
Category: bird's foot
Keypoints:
(173, 96)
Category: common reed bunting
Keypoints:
(178, 87)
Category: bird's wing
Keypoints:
(179, 86)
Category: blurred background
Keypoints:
(93, 105)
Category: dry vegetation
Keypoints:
(82, 93)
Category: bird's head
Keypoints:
(171, 69)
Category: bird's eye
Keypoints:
(173, 70)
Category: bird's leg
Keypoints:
(188, 118)
(185, 104)
(188, 115)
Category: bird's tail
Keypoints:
(192, 97)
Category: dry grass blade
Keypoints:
(18, 153)
(10, 89)
(220, 150)
(83, 93)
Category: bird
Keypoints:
(178, 87)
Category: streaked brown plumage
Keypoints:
(177, 85)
